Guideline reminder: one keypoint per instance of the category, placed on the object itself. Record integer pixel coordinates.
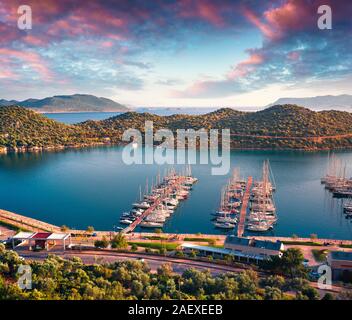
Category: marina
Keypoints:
(338, 184)
(252, 208)
(262, 216)
(156, 206)
(94, 187)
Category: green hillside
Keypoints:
(277, 127)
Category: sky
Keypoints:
(185, 53)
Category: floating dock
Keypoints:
(243, 212)
(178, 181)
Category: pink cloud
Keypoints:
(294, 55)
(292, 16)
(206, 10)
(4, 74)
(31, 59)
(243, 68)
(264, 28)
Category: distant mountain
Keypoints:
(341, 102)
(70, 103)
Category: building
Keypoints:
(242, 249)
(341, 265)
(252, 246)
(41, 240)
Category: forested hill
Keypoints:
(285, 120)
(69, 103)
(22, 128)
(277, 127)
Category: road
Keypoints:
(6, 233)
(179, 265)
(154, 262)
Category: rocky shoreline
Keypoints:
(34, 149)
(24, 149)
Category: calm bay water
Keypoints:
(71, 118)
(87, 187)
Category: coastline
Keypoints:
(58, 148)
(34, 225)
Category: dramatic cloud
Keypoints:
(127, 45)
(294, 50)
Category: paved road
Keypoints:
(154, 262)
(90, 257)
(6, 233)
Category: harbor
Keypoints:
(249, 207)
(156, 206)
(339, 184)
(15, 220)
(94, 188)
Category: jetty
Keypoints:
(26, 223)
(243, 211)
(37, 225)
(160, 203)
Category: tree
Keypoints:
(273, 282)
(90, 229)
(165, 270)
(193, 254)
(119, 241)
(272, 293)
(103, 243)
(134, 247)
(229, 258)
(328, 296)
(313, 236)
(292, 263)
(311, 293)
(64, 228)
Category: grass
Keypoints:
(11, 227)
(303, 243)
(319, 255)
(346, 246)
(152, 245)
(198, 239)
(156, 238)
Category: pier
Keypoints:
(243, 212)
(168, 190)
(145, 214)
(26, 223)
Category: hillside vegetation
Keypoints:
(69, 103)
(277, 127)
(59, 279)
(22, 128)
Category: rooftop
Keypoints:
(263, 244)
(341, 255)
(41, 236)
(237, 240)
(266, 244)
(223, 251)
